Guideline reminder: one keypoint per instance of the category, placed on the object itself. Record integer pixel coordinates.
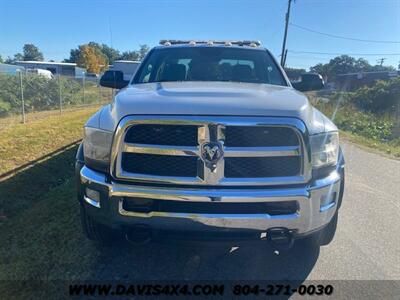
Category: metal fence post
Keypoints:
(22, 97)
(83, 87)
(100, 95)
(59, 93)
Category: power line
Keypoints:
(343, 37)
(337, 53)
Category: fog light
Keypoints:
(92, 197)
(327, 201)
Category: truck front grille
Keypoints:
(256, 167)
(216, 151)
(160, 165)
(172, 135)
(147, 205)
(251, 136)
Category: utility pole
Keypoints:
(380, 61)
(284, 59)
(285, 34)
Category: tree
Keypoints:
(111, 53)
(322, 69)
(75, 53)
(129, 55)
(362, 64)
(1, 59)
(143, 51)
(31, 52)
(346, 64)
(342, 65)
(11, 60)
(135, 55)
(92, 59)
(73, 56)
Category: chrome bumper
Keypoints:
(310, 216)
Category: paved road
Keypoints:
(366, 246)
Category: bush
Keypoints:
(382, 97)
(41, 93)
(348, 117)
(365, 125)
(5, 108)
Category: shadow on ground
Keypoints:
(204, 261)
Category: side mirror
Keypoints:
(309, 82)
(113, 79)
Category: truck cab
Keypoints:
(209, 139)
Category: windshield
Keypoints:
(210, 64)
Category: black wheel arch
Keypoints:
(79, 163)
(341, 170)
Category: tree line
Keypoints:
(95, 58)
(342, 64)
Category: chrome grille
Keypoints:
(172, 135)
(258, 167)
(252, 136)
(161, 165)
(255, 151)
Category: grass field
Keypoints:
(44, 133)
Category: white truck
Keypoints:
(209, 140)
(41, 72)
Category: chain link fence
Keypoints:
(25, 95)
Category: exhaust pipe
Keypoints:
(280, 238)
(139, 235)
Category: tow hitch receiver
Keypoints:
(280, 238)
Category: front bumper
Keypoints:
(317, 203)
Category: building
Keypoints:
(352, 81)
(64, 69)
(10, 69)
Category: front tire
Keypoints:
(95, 231)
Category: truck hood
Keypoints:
(210, 98)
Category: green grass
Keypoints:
(389, 148)
(21, 143)
(366, 129)
(41, 237)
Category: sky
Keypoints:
(56, 26)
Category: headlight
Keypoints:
(324, 149)
(97, 148)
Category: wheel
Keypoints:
(328, 233)
(96, 231)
